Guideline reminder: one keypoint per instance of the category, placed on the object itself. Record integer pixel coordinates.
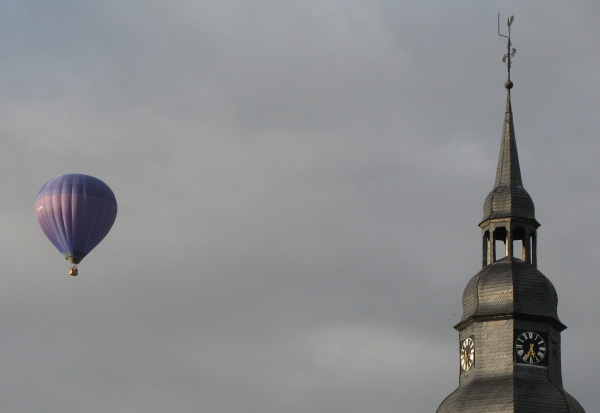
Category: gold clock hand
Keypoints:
(531, 352)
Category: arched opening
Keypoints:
(500, 235)
(520, 243)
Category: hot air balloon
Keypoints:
(75, 212)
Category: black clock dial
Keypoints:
(467, 354)
(530, 347)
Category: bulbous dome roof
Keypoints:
(509, 287)
(508, 201)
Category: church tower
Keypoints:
(509, 334)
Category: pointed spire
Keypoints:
(508, 199)
(508, 172)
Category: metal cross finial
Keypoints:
(510, 51)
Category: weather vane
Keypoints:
(510, 51)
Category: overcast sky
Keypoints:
(299, 187)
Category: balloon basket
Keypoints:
(73, 271)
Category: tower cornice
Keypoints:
(531, 221)
(512, 316)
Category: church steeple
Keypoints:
(508, 210)
(509, 333)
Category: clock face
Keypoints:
(467, 354)
(530, 348)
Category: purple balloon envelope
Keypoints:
(76, 212)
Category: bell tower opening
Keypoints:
(520, 249)
(500, 244)
(513, 239)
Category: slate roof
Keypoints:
(510, 394)
(508, 198)
(508, 288)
